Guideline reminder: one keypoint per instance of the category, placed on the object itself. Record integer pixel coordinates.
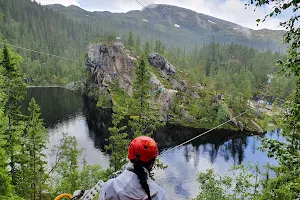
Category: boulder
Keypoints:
(161, 63)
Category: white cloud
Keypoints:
(230, 10)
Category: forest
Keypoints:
(24, 173)
(29, 25)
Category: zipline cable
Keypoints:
(40, 52)
(177, 146)
(145, 7)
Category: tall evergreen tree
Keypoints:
(141, 88)
(118, 140)
(130, 41)
(147, 48)
(15, 90)
(138, 46)
(33, 175)
(147, 115)
(5, 178)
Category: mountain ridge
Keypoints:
(153, 6)
(176, 26)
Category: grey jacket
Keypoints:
(127, 187)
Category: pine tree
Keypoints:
(141, 84)
(118, 140)
(147, 49)
(5, 178)
(140, 105)
(130, 41)
(33, 175)
(15, 90)
(137, 46)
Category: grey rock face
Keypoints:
(161, 63)
(108, 64)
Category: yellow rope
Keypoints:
(63, 196)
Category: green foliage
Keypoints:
(130, 41)
(240, 183)
(15, 90)
(141, 84)
(106, 39)
(118, 140)
(159, 48)
(104, 100)
(147, 48)
(5, 179)
(66, 168)
(24, 25)
(285, 185)
(67, 176)
(144, 118)
(32, 175)
(119, 96)
(90, 175)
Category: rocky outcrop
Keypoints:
(162, 64)
(254, 127)
(109, 64)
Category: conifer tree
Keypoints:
(138, 46)
(130, 41)
(147, 49)
(147, 119)
(15, 90)
(5, 178)
(33, 176)
(118, 140)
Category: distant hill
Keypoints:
(176, 26)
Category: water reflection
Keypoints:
(57, 104)
(65, 111)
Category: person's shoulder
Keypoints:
(161, 193)
(161, 190)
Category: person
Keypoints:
(134, 182)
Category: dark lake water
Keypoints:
(65, 111)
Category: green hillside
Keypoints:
(162, 22)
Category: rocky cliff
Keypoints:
(174, 96)
(113, 64)
(110, 64)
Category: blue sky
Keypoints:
(230, 10)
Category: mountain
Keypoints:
(175, 26)
(67, 31)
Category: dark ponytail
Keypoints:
(143, 176)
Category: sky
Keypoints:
(230, 10)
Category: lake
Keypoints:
(66, 111)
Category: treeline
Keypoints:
(229, 69)
(32, 26)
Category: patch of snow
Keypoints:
(211, 22)
(234, 28)
(145, 20)
(87, 15)
(176, 25)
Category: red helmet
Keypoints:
(144, 148)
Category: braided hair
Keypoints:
(142, 175)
